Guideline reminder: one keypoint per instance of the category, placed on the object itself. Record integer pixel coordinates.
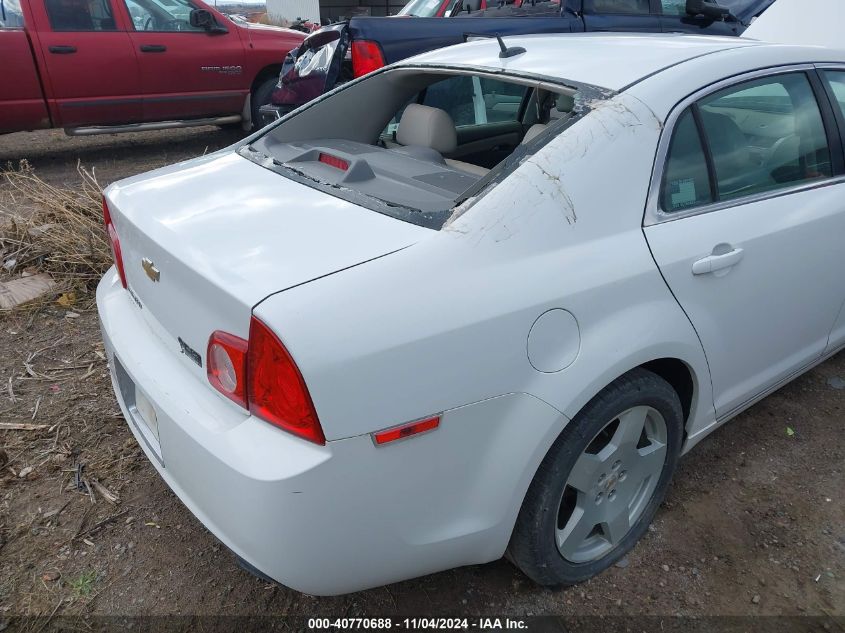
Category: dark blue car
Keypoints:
(346, 50)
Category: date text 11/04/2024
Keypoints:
(492, 624)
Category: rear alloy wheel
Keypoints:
(601, 483)
(610, 484)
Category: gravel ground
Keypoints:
(754, 523)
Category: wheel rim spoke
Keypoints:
(576, 530)
(616, 527)
(650, 459)
(631, 424)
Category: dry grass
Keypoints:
(58, 230)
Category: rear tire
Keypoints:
(600, 484)
(261, 96)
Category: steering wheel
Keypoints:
(148, 24)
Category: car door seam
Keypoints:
(686, 314)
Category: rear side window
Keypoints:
(686, 182)
(765, 135)
(80, 15)
(762, 135)
(11, 16)
(617, 6)
(837, 84)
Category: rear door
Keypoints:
(186, 72)
(621, 15)
(91, 69)
(746, 224)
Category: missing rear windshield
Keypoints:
(413, 143)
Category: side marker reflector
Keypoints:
(406, 430)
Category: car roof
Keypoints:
(613, 61)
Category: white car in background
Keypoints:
(362, 353)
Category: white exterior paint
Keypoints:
(418, 322)
(814, 22)
(610, 61)
(275, 500)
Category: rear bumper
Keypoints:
(336, 518)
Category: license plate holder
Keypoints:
(142, 412)
(146, 411)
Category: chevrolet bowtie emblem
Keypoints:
(149, 268)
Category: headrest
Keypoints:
(428, 127)
(564, 103)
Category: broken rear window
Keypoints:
(415, 142)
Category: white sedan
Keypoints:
(479, 302)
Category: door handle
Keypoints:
(153, 48)
(712, 263)
(62, 50)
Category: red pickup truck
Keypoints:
(97, 66)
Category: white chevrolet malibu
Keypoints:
(478, 303)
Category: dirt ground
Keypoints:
(754, 523)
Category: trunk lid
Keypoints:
(223, 234)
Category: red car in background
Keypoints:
(93, 66)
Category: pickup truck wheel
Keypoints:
(601, 483)
(261, 96)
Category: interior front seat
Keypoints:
(424, 126)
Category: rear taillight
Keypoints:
(366, 57)
(261, 376)
(226, 365)
(275, 388)
(114, 242)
